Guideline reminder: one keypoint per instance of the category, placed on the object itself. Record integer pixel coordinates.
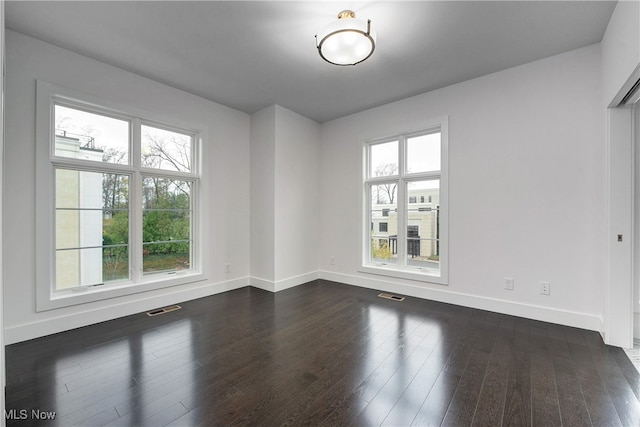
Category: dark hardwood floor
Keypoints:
(321, 354)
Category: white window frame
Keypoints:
(401, 270)
(47, 297)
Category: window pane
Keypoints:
(166, 223)
(77, 267)
(423, 153)
(166, 193)
(168, 150)
(89, 136)
(115, 263)
(91, 190)
(423, 224)
(92, 228)
(383, 159)
(78, 228)
(384, 223)
(91, 266)
(160, 257)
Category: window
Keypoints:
(123, 196)
(399, 171)
(383, 227)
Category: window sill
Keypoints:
(114, 290)
(427, 276)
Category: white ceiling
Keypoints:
(249, 55)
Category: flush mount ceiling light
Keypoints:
(347, 41)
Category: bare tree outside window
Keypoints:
(386, 192)
(167, 150)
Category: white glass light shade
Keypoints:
(346, 41)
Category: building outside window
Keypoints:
(401, 173)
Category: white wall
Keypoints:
(284, 198)
(296, 198)
(620, 48)
(263, 157)
(526, 189)
(225, 163)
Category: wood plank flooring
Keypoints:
(321, 354)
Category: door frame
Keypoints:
(621, 214)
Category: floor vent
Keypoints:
(390, 296)
(163, 310)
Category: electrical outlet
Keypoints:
(545, 288)
(508, 283)
(332, 260)
(227, 268)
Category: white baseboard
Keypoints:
(281, 285)
(52, 325)
(264, 284)
(545, 314)
(48, 326)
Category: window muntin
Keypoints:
(416, 248)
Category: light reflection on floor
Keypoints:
(408, 340)
(78, 371)
(132, 372)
